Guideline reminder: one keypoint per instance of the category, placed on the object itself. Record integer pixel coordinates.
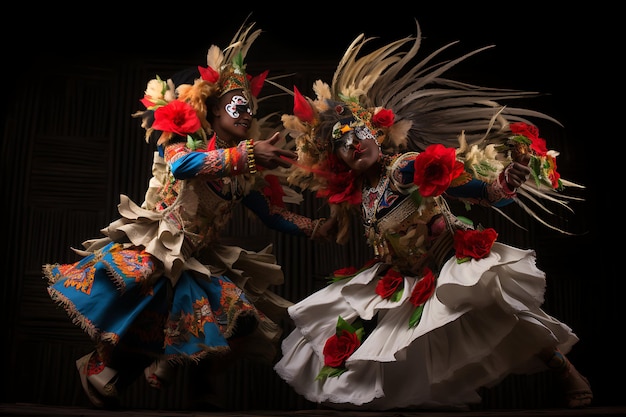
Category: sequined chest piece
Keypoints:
(371, 201)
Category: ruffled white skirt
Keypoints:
(484, 322)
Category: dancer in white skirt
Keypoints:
(444, 308)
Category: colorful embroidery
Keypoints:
(79, 278)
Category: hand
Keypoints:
(518, 172)
(269, 156)
(327, 230)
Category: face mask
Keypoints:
(238, 105)
(352, 139)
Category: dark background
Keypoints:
(70, 147)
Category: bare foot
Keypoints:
(577, 389)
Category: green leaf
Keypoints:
(164, 86)
(522, 139)
(329, 372)
(356, 327)
(238, 61)
(397, 295)
(484, 168)
(416, 316)
(416, 197)
(344, 325)
(465, 220)
(360, 332)
(331, 279)
(192, 143)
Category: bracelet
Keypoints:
(499, 190)
(508, 190)
(251, 160)
(317, 223)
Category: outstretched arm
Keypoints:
(283, 220)
(498, 193)
(186, 161)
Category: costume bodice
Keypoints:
(401, 228)
(201, 208)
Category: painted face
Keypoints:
(352, 139)
(359, 154)
(238, 105)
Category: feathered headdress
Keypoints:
(225, 71)
(407, 103)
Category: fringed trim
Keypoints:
(118, 280)
(48, 275)
(78, 319)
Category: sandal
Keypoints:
(106, 396)
(159, 374)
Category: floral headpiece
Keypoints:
(174, 105)
(366, 124)
(231, 76)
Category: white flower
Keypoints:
(156, 89)
(170, 93)
(483, 163)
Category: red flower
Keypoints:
(435, 168)
(208, 74)
(301, 107)
(383, 118)
(339, 347)
(389, 284)
(256, 83)
(176, 117)
(553, 175)
(475, 244)
(345, 272)
(424, 288)
(537, 144)
(524, 129)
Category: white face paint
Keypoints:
(237, 105)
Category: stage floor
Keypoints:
(32, 410)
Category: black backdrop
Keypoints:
(70, 148)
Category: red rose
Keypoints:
(524, 129)
(475, 244)
(345, 272)
(383, 118)
(389, 283)
(537, 144)
(176, 117)
(435, 168)
(424, 288)
(338, 348)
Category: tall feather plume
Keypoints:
(241, 41)
(435, 108)
(215, 57)
(430, 108)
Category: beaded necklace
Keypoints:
(220, 143)
(371, 200)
